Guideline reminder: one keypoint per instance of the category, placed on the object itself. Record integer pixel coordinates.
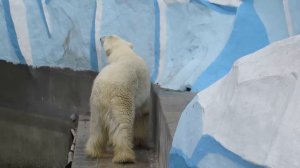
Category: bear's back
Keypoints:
(130, 75)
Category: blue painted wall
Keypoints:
(202, 39)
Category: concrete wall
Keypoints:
(35, 110)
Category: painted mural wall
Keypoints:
(186, 43)
(65, 33)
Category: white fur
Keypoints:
(119, 102)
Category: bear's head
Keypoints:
(113, 42)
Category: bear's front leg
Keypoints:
(122, 129)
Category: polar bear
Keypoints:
(119, 102)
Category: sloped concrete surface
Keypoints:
(35, 109)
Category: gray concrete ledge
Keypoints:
(169, 105)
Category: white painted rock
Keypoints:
(251, 116)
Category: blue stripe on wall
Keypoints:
(93, 52)
(41, 9)
(157, 41)
(248, 35)
(205, 146)
(11, 31)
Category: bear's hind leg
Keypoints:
(141, 125)
(122, 130)
(141, 131)
(96, 145)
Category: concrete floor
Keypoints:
(167, 108)
(145, 158)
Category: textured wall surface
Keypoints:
(186, 43)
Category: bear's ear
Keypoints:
(130, 45)
(108, 52)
